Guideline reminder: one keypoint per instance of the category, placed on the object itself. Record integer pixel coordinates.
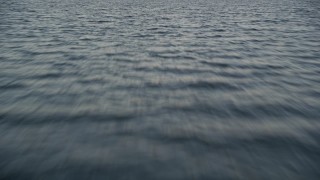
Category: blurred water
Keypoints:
(159, 89)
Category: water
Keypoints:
(159, 89)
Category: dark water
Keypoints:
(160, 89)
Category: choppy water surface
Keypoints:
(156, 89)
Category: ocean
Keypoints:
(160, 89)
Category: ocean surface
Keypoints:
(160, 89)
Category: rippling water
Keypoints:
(159, 89)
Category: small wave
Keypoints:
(11, 86)
(193, 85)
